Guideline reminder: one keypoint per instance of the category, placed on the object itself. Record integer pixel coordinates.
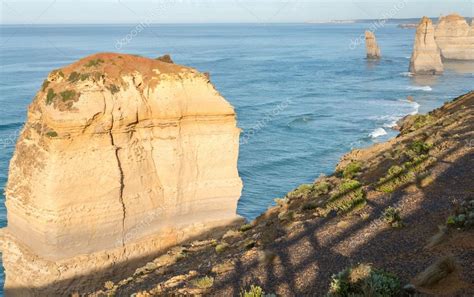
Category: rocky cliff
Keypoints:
(426, 56)
(455, 38)
(373, 50)
(121, 157)
(399, 208)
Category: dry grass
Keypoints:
(436, 272)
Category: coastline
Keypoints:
(316, 231)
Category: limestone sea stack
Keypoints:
(455, 38)
(426, 57)
(120, 158)
(373, 50)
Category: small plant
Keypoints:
(94, 63)
(245, 227)
(74, 77)
(303, 191)
(463, 216)
(420, 147)
(322, 188)
(436, 272)
(203, 282)
(85, 76)
(50, 96)
(68, 95)
(97, 76)
(286, 216)
(349, 185)
(45, 85)
(395, 170)
(221, 247)
(345, 187)
(362, 280)
(253, 291)
(51, 134)
(352, 169)
(349, 196)
(113, 89)
(109, 285)
(391, 216)
(181, 256)
(451, 221)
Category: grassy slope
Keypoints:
(319, 229)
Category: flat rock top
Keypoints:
(114, 64)
(111, 72)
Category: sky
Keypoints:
(221, 11)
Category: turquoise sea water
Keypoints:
(304, 94)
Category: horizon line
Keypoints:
(314, 22)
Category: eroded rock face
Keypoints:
(455, 38)
(121, 156)
(426, 57)
(373, 50)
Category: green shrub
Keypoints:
(253, 291)
(321, 188)
(391, 216)
(286, 216)
(51, 134)
(74, 77)
(302, 191)
(85, 76)
(203, 282)
(45, 85)
(451, 221)
(245, 227)
(221, 247)
(94, 62)
(420, 147)
(347, 202)
(113, 89)
(362, 280)
(395, 170)
(349, 185)
(352, 169)
(68, 95)
(50, 96)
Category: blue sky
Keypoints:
(220, 11)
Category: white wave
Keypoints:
(391, 124)
(416, 107)
(378, 132)
(409, 74)
(420, 88)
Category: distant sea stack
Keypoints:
(120, 158)
(455, 38)
(426, 57)
(373, 50)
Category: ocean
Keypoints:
(304, 93)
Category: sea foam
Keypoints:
(378, 132)
(420, 88)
